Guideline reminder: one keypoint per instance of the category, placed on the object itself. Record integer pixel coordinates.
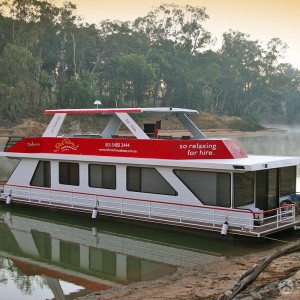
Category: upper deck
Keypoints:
(140, 143)
(141, 146)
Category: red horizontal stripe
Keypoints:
(92, 111)
(150, 201)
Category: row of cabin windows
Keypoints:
(211, 188)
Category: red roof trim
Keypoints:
(93, 111)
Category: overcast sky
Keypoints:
(262, 19)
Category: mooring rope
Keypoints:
(277, 240)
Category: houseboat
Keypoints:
(185, 180)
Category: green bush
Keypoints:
(246, 123)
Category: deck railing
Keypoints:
(206, 217)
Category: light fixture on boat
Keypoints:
(238, 167)
(97, 102)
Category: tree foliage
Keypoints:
(50, 58)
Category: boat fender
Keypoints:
(8, 199)
(224, 228)
(94, 213)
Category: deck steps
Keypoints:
(12, 140)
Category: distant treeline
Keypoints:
(51, 58)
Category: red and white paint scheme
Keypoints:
(190, 180)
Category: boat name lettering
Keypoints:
(65, 145)
(33, 144)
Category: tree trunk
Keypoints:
(250, 275)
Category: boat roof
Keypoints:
(165, 110)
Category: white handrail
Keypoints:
(204, 216)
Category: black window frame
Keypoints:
(136, 184)
(67, 175)
(43, 168)
(219, 182)
(104, 184)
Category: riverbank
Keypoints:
(29, 127)
(211, 281)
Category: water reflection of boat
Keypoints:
(95, 258)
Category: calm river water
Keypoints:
(52, 255)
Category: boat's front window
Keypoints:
(288, 181)
(148, 180)
(42, 174)
(102, 176)
(69, 173)
(210, 188)
(243, 188)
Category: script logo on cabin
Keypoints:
(65, 145)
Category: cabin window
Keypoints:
(102, 176)
(209, 187)
(42, 175)
(243, 188)
(261, 184)
(273, 184)
(69, 173)
(148, 180)
(287, 181)
(273, 188)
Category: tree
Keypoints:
(181, 25)
(129, 77)
(243, 62)
(80, 92)
(20, 73)
(283, 99)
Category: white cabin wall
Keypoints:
(121, 178)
